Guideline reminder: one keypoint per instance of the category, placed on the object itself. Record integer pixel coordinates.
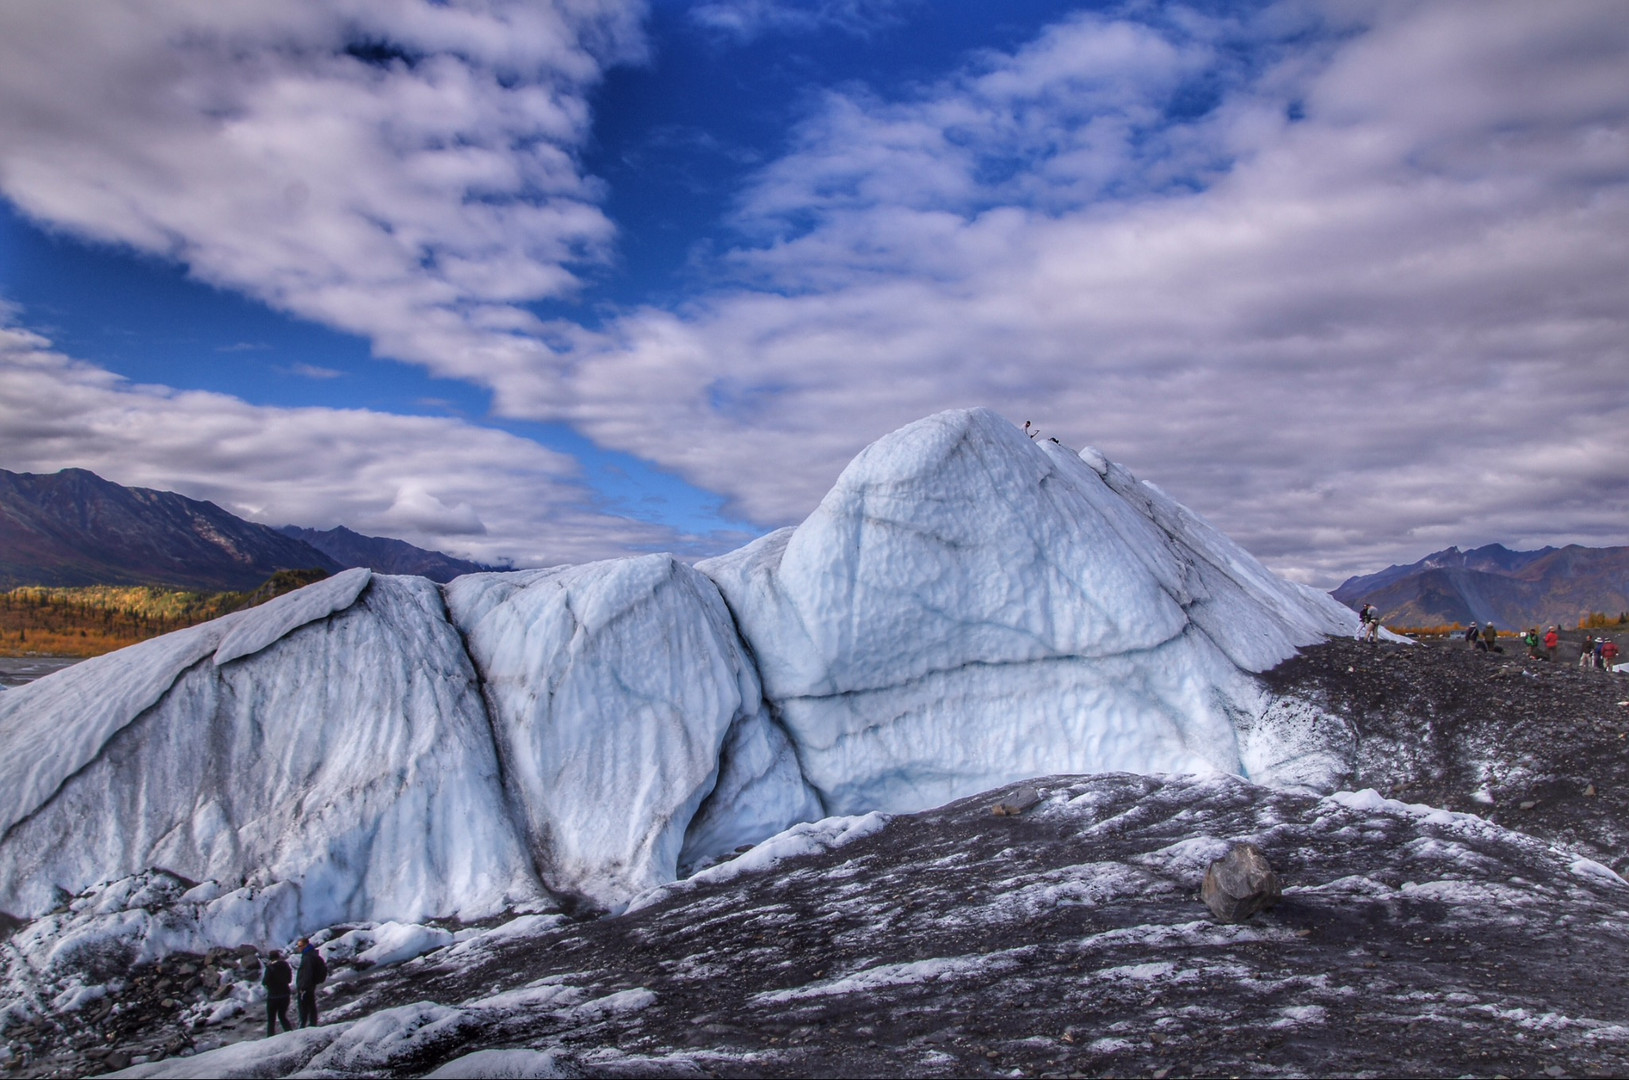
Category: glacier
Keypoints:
(967, 607)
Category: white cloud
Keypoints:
(401, 169)
(314, 371)
(1395, 322)
(744, 20)
(433, 481)
(1366, 299)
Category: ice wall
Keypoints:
(613, 690)
(350, 756)
(966, 608)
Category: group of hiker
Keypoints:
(1483, 639)
(1598, 652)
(277, 977)
(1594, 652)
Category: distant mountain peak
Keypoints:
(1508, 587)
(384, 554)
(74, 528)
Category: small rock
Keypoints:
(1589, 792)
(1239, 884)
(1527, 804)
(1015, 804)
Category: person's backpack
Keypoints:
(322, 967)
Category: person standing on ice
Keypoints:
(313, 973)
(276, 980)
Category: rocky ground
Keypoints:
(1536, 746)
(1066, 940)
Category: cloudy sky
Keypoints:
(562, 279)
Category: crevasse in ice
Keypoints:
(965, 608)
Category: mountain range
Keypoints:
(1512, 589)
(73, 528)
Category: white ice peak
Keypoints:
(965, 608)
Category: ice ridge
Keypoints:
(965, 608)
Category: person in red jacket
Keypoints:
(1552, 641)
(1609, 654)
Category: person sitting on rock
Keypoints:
(276, 979)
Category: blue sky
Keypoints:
(546, 282)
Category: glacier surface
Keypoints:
(966, 608)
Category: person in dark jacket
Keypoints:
(313, 973)
(276, 979)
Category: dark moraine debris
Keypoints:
(1064, 941)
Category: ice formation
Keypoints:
(614, 688)
(966, 608)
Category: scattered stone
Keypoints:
(1589, 792)
(1239, 884)
(1527, 804)
(1016, 803)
